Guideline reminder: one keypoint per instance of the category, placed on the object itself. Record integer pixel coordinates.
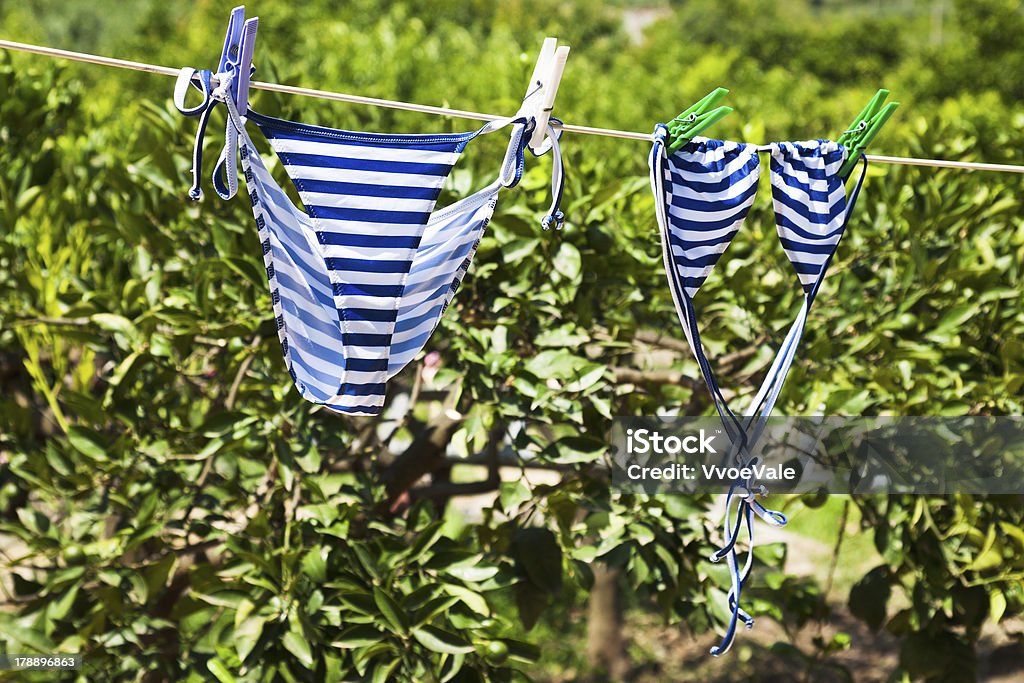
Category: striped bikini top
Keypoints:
(360, 279)
(703, 193)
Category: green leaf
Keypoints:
(589, 375)
(437, 640)
(358, 635)
(425, 540)
(538, 553)
(567, 261)
(35, 521)
(869, 596)
(157, 574)
(531, 603)
(247, 269)
(314, 564)
(123, 368)
(391, 611)
(15, 632)
(297, 644)
(219, 671)
(114, 323)
(139, 589)
(525, 652)
(557, 364)
(430, 609)
(997, 605)
(473, 600)
(360, 602)
(567, 335)
(224, 598)
(247, 635)
(519, 249)
(363, 656)
(87, 442)
(474, 574)
(451, 667)
(59, 609)
(27, 198)
(574, 449)
(513, 494)
(382, 672)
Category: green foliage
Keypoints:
(959, 560)
(169, 506)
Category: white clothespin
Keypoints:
(540, 94)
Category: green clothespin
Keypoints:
(864, 129)
(697, 118)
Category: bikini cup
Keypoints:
(706, 190)
(360, 278)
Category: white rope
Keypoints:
(445, 111)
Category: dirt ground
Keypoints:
(870, 658)
(674, 655)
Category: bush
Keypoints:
(168, 504)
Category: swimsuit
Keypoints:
(360, 279)
(703, 193)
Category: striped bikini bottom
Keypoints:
(360, 279)
(703, 193)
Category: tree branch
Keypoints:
(441, 490)
(659, 339)
(726, 361)
(424, 455)
(450, 489)
(635, 376)
(533, 464)
(229, 402)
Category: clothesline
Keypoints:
(445, 111)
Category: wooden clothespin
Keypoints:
(540, 94)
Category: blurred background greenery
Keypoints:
(171, 509)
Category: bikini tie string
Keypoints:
(225, 174)
(554, 218)
(200, 80)
(746, 508)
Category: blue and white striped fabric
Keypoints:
(361, 278)
(368, 201)
(446, 250)
(810, 204)
(711, 187)
(703, 193)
